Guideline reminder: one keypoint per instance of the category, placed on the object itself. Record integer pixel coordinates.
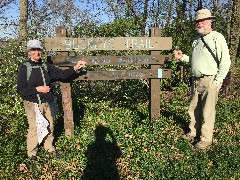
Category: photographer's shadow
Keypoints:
(102, 155)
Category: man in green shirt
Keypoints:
(208, 73)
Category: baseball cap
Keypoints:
(31, 44)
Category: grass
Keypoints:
(117, 141)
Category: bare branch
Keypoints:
(130, 6)
(5, 3)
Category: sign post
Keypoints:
(154, 84)
(65, 91)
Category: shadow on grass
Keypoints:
(102, 155)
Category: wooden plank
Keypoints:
(113, 60)
(154, 84)
(66, 91)
(126, 74)
(67, 108)
(108, 43)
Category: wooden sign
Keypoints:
(108, 43)
(63, 45)
(126, 74)
(112, 60)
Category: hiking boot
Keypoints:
(31, 162)
(53, 154)
(33, 158)
(188, 137)
(203, 145)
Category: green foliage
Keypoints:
(220, 25)
(10, 104)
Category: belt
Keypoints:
(202, 76)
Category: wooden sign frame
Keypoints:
(63, 45)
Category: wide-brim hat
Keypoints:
(204, 14)
(34, 44)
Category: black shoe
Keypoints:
(33, 158)
(53, 154)
(188, 137)
(31, 162)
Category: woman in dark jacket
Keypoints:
(34, 85)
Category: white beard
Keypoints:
(203, 29)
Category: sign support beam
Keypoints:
(154, 104)
(66, 91)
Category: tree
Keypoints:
(229, 12)
(23, 20)
(141, 19)
(45, 15)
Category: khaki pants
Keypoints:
(204, 96)
(32, 137)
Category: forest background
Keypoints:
(114, 138)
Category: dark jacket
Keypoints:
(27, 89)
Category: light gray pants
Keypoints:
(204, 96)
(32, 137)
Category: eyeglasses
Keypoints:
(201, 20)
(35, 49)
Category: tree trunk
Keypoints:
(145, 16)
(229, 12)
(169, 12)
(181, 15)
(190, 10)
(215, 8)
(199, 5)
(234, 32)
(23, 20)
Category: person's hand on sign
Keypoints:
(80, 64)
(177, 53)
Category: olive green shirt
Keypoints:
(203, 63)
